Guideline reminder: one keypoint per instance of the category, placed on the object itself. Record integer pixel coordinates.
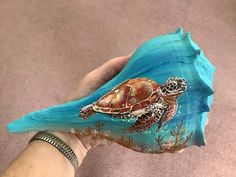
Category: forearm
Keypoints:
(42, 159)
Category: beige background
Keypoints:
(47, 46)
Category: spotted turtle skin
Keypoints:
(140, 98)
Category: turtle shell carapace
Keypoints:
(142, 98)
(131, 95)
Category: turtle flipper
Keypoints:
(153, 115)
(168, 115)
(159, 125)
(87, 111)
(144, 122)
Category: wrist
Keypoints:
(75, 144)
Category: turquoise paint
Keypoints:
(170, 55)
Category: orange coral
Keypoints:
(99, 126)
(167, 146)
(98, 131)
(178, 144)
(127, 142)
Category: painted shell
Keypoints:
(142, 98)
(162, 57)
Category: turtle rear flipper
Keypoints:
(87, 111)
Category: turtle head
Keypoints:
(174, 86)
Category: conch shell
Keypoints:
(173, 55)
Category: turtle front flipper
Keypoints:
(148, 119)
(144, 122)
(168, 115)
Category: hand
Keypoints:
(47, 160)
(99, 76)
(92, 81)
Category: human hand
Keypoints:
(97, 77)
(92, 81)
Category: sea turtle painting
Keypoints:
(140, 98)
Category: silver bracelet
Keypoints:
(59, 144)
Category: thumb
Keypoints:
(111, 68)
